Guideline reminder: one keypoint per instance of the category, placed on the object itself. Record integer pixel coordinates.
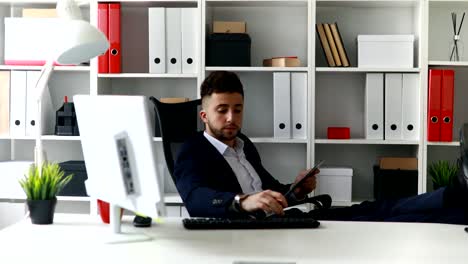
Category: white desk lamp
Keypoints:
(76, 41)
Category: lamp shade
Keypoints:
(79, 41)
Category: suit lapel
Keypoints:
(223, 169)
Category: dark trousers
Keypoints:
(429, 207)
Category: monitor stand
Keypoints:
(116, 236)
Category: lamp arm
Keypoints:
(39, 155)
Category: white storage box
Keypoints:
(385, 51)
(337, 182)
(31, 41)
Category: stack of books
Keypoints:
(332, 45)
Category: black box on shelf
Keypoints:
(65, 121)
(76, 186)
(228, 49)
(394, 183)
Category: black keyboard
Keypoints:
(266, 223)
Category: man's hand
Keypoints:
(307, 186)
(268, 201)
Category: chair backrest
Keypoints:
(177, 122)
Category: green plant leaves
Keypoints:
(442, 172)
(47, 185)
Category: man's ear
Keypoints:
(203, 116)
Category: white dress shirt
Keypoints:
(246, 175)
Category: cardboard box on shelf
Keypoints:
(39, 12)
(173, 100)
(229, 27)
(282, 62)
(395, 163)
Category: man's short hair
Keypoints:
(221, 82)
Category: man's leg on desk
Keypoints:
(431, 207)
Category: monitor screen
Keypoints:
(119, 152)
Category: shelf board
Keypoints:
(255, 3)
(61, 138)
(454, 4)
(363, 141)
(34, 2)
(444, 144)
(38, 68)
(59, 198)
(44, 137)
(172, 198)
(258, 69)
(367, 3)
(150, 3)
(147, 75)
(449, 63)
(357, 69)
(75, 198)
(261, 140)
(277, 140)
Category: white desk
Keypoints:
(79, 239)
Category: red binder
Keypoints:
(446, 106)
(433, 105)
(114, 38)
(103, 25)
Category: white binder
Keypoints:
(47, 112)
(393, 115)
(173, 40)
(282, 104)
(298, 105)
(4, 103)
(189, 26)
(18, 104)
(374, 109)
(157, 39)
(410, 106)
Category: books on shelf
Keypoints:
(326, 48)
(339, 45)
(332, 45)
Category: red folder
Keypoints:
(114, 38)
(103, 25)
(433, 105)
(446, 106)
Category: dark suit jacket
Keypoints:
(206, 181)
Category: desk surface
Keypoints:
(82, 239)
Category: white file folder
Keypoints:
(18, 104)
(374, 109)
(410, 106)
(282, 104)
(393, 115)
(173, 40)
(189, 26)
(298, 105)
(4, 103)
(157, 39)
(47, 112)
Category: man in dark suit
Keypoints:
(219, 173)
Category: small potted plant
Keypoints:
(442, 173)
(41, 191)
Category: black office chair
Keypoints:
(179, 121)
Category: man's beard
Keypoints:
(221, 135)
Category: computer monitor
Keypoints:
(119, 154)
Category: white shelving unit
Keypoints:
(277, 28)
(440, 34)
